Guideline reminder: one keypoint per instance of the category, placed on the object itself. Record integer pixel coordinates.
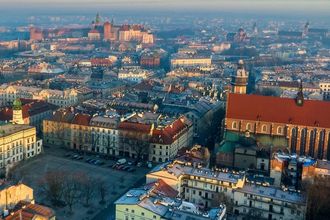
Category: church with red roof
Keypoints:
(304, 123)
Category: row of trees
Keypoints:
(71, 187)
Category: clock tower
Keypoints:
(300, 96)
(239, 79)
(17, 112)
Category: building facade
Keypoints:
(304, 123)
(59, 98)
(17, 143)
(205, 187)
(10, 195)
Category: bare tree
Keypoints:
(53, 185)
(318, 198)
(88, 189)
(72, 189)
(103, 191)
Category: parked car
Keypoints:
(120, 167)
(97, 162)
(92, 161)
(131, 169)
(121, 161)
(126, 168)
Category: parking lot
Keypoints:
(118, 178)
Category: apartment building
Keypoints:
(204, 186)
(157, 200)
(260, 202)
(17, 142)
(137, 135)
(8, 94)
(10, 195)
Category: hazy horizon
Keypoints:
(318, 7)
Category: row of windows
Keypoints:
(133, 211)
(264, 128)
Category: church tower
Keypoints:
(240, 79)
(300, 95)
(17, 112)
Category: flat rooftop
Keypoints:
(9, 129)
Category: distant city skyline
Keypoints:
(315, 6)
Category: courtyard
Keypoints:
(116, 182)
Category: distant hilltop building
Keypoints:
(135, 32)
(36, 34)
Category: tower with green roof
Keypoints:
(18, 112)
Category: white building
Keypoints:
(17, 142)
(205, 186)
(59, 98)
(325, 90)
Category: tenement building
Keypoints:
(138, 135)
(207, 187)
(305, 124)
(157, 200)
(8, 94)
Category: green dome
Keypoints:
(17, 104)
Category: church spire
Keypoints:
(97, 18)
(300, 95)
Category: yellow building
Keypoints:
(17, 142)
(180, 60)
(11, 195)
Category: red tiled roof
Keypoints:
(94, 31)
(28, 211)
(160, 187)
(100, 61)
(278, 110)
(133, 126)
(30, 107)
(170, 133)
(81, 119)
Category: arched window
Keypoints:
(321, 145)
(293, 140)
(279, 130)
(312, 143)
(248, 127)
(264, 128)
(303, 141)
(234, 125)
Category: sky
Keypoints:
(276, 7)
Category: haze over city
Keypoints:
(156, 110)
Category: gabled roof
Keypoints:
(171, 132)
(30, 107)
(137, 127)
(81, 119)
(28, 211)
(312, 113)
